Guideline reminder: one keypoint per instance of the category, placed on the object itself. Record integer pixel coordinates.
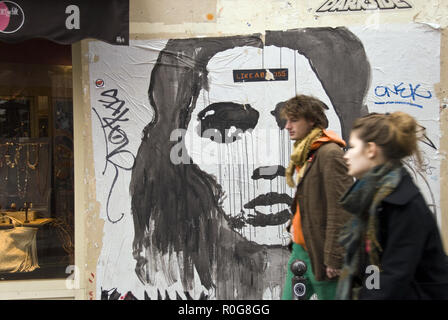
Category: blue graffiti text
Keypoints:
(402, 94)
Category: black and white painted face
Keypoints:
(236, 135)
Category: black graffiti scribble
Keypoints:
(423, 171)
(115, 139)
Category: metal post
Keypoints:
(298, 268)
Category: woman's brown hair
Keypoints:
(395, 133)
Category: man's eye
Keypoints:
(224, 122)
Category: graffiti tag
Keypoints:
(115, 138)
(361, 5)
(399, 93)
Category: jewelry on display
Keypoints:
(30, 165)
(3, 160)
(42, 185)
(8, 161)
(2, 156)
(21, 189)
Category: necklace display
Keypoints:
(2, 160)
(12, 157)
(21, 188)
(8, 161)
(41, 175)
(30, 165)
(2, 156)
(25, 171)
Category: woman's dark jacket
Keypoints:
(414, 263)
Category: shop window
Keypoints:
(36, 160)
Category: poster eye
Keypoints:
(225, 122)
(277, 114)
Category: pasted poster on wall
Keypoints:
(190, 150)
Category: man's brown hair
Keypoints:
(308, 107)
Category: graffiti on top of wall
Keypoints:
(190, 151)
(362, 5)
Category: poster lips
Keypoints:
(269, 199)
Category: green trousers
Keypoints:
(325, 290)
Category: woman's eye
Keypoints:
(225, 122)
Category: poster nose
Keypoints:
(268, 172)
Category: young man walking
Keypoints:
(319, 173)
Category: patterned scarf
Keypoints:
(300, 155)
(362, 200)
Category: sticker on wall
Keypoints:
(99, 83)
(362, 5)
(11, 17)
(254, 75)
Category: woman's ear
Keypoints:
(372, 150)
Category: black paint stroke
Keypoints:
(106, 295)
(269, 172)
(222, 116)
(129, 296)
(339, 60)
(115, 295)
(424, 138)
(277, 114)
(236, 222)
(268, 199)
(116, 137)
(262, 220)
(417, 173)
(182, 201)
(258, 219)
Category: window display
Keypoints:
(36, 161)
